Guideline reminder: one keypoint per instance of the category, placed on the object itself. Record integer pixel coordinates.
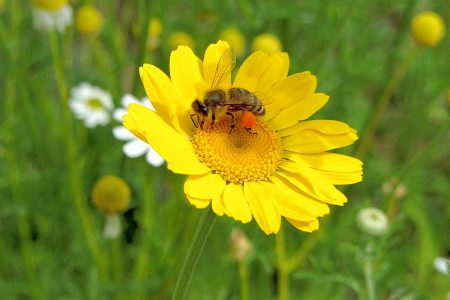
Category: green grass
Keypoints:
(354, 47)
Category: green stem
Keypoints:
(141, 267)
(243, 275)
(71, 161)
(142, 46)
(18, 196)
(382, 103)
(195, 250)
(368, 273)
(283, 272)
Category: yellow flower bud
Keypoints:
(88, 20)
(428, 28)
(111, 195)
(266, 42)
(49, 5)
(240, 246)
(235, 38)
(179, 38)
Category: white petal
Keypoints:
(128, 99)
(154, 158)
(135, 148)
(119, 113)
(442, 265)
(123, 134)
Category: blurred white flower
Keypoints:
(49, 15)
(91, 104)
(442, 264)
(134, 146)
(113, 227)
(372, 221)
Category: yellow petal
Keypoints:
(290, 91)
(212, 71)
(261, 71)
(294, 203)
(317, 136)
(305, 226)
(312, 183)
(236, 204)
(160, 90)
(174, 147)
(198, 203)
(325, 126)
(204, 186)
(263, 207)
(186, 72)
(340, 169)
(218, 206)
(165, 98)
(300, 111)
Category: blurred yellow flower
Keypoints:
(428, 28)
(266, 42)
(280, 167)
(2, 5)
(49, 5)
(154, 31)
(111, 195)
(154, 27)
(88, 20)
(234, 37)
(181, 38)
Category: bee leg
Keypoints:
(249, 130)
(231, 121)
(213, 117)
(193, 122)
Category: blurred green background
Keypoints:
(51, 243)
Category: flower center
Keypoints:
(50, 5)
(240, 155)
(94, 103)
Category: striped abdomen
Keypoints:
(241, 99)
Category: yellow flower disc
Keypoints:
(428, 28)
(111, 195)
(179, 38)
(235, 38)
(266, 42)
(88, 20)
(50, 5)
(240, 155)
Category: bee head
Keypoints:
(200, 108)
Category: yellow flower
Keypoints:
(279, 167)
(428, 28)
(235, 38)
(179, 38)
(266, 42)
(49, 5)
(111, 195)
(88, 20)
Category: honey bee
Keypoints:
(232, 101)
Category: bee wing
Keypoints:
(224, 66)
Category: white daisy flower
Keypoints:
(134, 147)
(372, 221)
(91, 104)
(442, 264)
(52, 14)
